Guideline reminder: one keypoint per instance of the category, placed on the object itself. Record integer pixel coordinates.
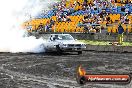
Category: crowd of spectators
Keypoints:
(96, 12)
(62, 12)
(102, 17)
(102, 8)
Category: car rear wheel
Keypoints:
(79, 52)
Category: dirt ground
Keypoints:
(49, 70)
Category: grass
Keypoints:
(93, 42)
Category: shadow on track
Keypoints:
(60, 54)
(44, 53)
(19, 54)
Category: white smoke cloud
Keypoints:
(12, 14)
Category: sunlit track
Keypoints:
(58, 71)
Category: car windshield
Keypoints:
(65, 37)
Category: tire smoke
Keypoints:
(13, 13)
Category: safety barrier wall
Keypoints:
(87, 36)
(101, 37)
(109, 48)
(73, 27)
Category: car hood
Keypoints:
(70, 42)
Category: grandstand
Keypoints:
(83, 15)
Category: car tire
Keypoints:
(59, 51)
(79, 52)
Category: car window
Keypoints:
(65, 37)
(62, 37)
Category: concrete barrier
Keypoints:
(98, 37)
(109, 48)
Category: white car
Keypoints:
(64, 43)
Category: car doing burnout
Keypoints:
(64, 43)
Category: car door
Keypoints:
(51, 44)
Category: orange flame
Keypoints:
(81, 71)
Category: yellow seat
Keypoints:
(124, 27)
(54, 18)
(129, 28)
(114, 29)
(109, 29)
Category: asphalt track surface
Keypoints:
(50, 70)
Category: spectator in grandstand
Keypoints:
(78, 3)
(127, 11)
(99, 21)
(103, 13)
(85, 3)
(126, 19)
(86, 18)
(64, 19)
(59, 18)
(52, 22)
(47, 27)
(86, 30)
(79, 24)
(98, 29)
(71, 10)
(40, 27)
(92, 30)
(122, 19)
(68, 18)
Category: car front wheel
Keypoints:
(79, 52)
(59, 51)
